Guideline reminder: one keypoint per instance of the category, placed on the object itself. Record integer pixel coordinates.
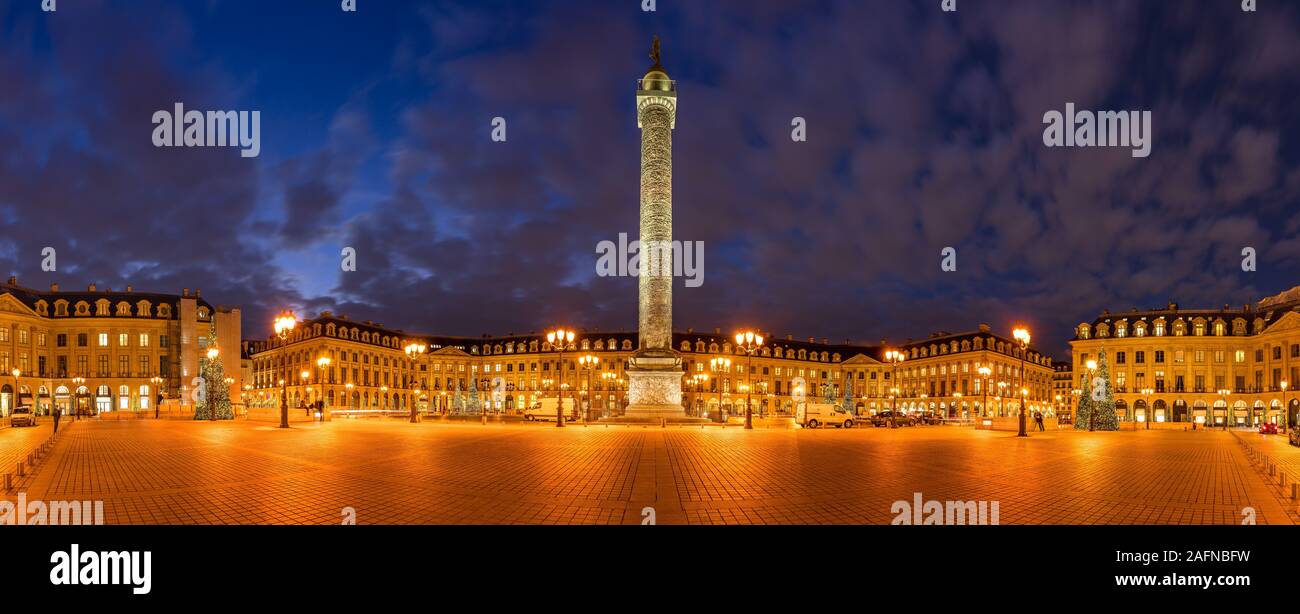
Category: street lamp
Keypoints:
(587, 362)
(347, 393)
(1002, 392)
(284, 324)
(718, 365)
(1286, 409)
(749, 342)
(560, 338)
(1021, 334)
(322, 364)
(1227, 412)
(413, 351)
(609, 377)
(894, 357)
(1148, 411)
(984, 371)
(956, 395)
(700, 380)
(157, 384)
(1092, 368)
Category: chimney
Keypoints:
(812, 340)
(129, 288)
(185, 292)
(13, 281)
(717, 331)
(689, 330)
(789, 337)
(325, 314)
(90, 288)
(826, 341)
(54, 287)
(197, 293)
(984, 328)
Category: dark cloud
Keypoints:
(924, 132)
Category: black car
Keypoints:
(882, 419)
(928, 418)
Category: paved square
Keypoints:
(392, 472)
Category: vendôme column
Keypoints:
(655, 372)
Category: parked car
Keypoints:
(1268, 428)
(544, 411)
(813, 415)
(928, 418)
(882, 419)
(22, 416)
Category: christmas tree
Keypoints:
(1103, 398)
(458, 402)
(475, 406)
(1083, 414)
(828, 393)
(214, 395)
(846, 403)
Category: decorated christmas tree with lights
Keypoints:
(475, 405)
(846, 402)
(214, 395)
(1103, 402)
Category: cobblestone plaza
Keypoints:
(389, 471)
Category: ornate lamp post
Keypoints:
(413, 351)
(587, 363)
(155, 380)
(1002, 390)
(749, 342)
(560, 338)
(720, 365)
(1227, 411)
(956, 401)
(322, 364)
(1149, 411)
(17, 396)
(1092, 370)
(305, 376)
(1021, 334)
(700, 380)
(609, 377)
(984, 372)
(284, 324)
(347, 393)
(894, 357)
(1286, 409)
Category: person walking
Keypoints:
(1038, 419)
(57, 412)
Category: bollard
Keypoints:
(20, 470)
(9, 482)
(1294, 490)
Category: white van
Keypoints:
(544, 410)
(813, 415)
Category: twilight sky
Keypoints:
(924, 131)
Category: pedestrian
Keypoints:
(57, 413)
(1038, 418)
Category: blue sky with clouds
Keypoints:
(924, 131)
